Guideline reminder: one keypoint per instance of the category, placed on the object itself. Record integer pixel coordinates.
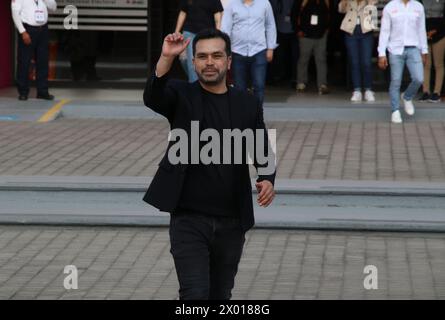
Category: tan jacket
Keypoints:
(353, 9)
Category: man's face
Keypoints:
(211, 61)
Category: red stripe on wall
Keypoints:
(5, 44)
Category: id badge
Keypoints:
(39, 16)
(314, 20)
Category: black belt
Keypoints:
(34, 27)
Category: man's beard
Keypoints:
(214, 80)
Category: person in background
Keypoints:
(435, 27)
(312, 29)
(403, 34)
(286, 52)
(359, 43)
(225, 3)
(251, 27)
(194, 16)
(82, 47)
(31, 20)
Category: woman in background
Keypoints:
(359, 43)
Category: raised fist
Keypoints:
(174, 44)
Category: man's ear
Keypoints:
(229, 62)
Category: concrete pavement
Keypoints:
(342, 156)
(376, 151)
(301, 204)
(280, 105)
(135, 263)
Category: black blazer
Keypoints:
(181, 102)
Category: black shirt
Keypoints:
(321, 11)
(200, 14)
(437, 23)
(208, 189)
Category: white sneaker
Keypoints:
(369, 96)
(356, 96)
(301, 87)
(396, 117)
(409, 106)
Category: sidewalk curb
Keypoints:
(282, 186)
(151, 217)
(306, 111)
(164, 222)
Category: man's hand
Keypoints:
(383, 63)
(269, 55)
(424, 58)
(266, 193)
(431, 33)
(26, 38)
(174, 44)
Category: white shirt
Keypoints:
(402, 26)
(225, 3)
(23, 11)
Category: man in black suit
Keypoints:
(210, 204)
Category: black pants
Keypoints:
(206, 250)
(38, 49)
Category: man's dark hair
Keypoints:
(212, 34)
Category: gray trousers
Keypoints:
(318, 47)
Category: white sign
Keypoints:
(128, 4)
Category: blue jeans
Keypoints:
(206, 250)
(256, 67)
(413, 59)
(191, 73)
(359, 46)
